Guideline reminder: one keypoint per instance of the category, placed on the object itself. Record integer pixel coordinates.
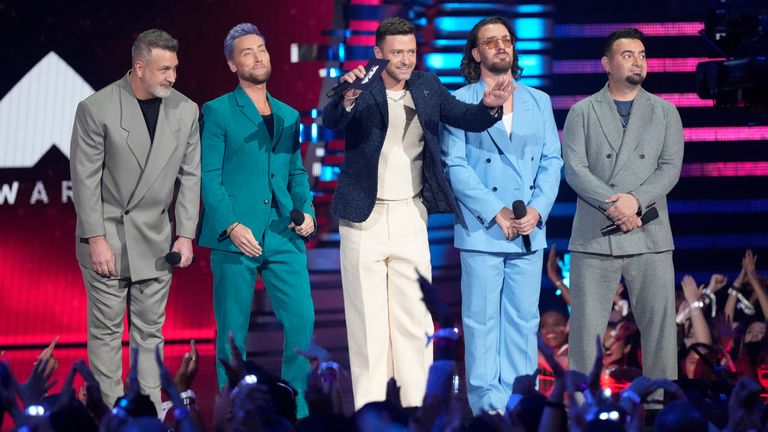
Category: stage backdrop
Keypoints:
(56, 54)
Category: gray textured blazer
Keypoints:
(123, 184)
(602, 159)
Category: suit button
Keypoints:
(127, 212)
(609, 155)
(488, 160)
(530, 187)
(531, 158)
(642, 156)
(612, 185)
(494, 189)
(266, 201)
(272, 175)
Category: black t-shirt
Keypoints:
(269, 121)
(150, 109)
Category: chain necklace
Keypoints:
(399, 98)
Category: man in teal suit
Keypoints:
(518, 158)
(252, 177)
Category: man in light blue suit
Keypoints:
(516, 159)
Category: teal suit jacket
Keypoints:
(242, 168)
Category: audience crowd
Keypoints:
(722, 381)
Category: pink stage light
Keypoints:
(725, 169)
(710, 134)
(654, 65)
(363, 25)
(361, 40)
(572, 31)
(680, 100)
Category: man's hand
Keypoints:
(305, 229)
(526, 224)
(624, 207)
(495, 96)
(630, 224)
(102, 256)
(243, 238)
(183, 246)
(504, 219)
(351, 94)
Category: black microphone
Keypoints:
(174, 258)
(649, 216)
(338, 89)
(297, 217)
(519, 209)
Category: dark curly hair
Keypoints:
(470, 68)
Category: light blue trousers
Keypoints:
(500, 313)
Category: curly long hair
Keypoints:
(470, 68)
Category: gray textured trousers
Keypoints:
(650, 282)
(106, 310)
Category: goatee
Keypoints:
(635, 79)
(255, 79)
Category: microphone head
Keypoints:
(519, 209)
(173, 258)
(297, 217)
(650, 214)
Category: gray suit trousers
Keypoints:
(106, 310)
(650, 282)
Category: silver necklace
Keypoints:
(399, 98)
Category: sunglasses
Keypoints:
(492, 41)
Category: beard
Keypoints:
(254, 78)
(160, 90)
(500, 67)
(635, 79)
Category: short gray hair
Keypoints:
(240, 30)
(153, 38)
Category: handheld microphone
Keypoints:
(338, 89)
(297, 217)
(519, 209)
(174, 258)
(649, 216)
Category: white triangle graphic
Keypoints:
(39, 112)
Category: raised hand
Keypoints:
(188, 369)
(495, 96)
(93, 399)
(235, 366)
(38, 383)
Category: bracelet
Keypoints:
(698, 304)
(554, 404)
(733, 291)
(229, 231)
(189, 393)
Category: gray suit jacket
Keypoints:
(602, 159)
(123, 184)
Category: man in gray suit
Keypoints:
(622, 149)
(135, 148)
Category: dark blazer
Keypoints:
(365, 128)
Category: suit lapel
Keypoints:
(160, 152)
(639, 118)
(277, 119)
(379, 95)
(609, 119)
(498, 132)
(249, 110)
(133, 122)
